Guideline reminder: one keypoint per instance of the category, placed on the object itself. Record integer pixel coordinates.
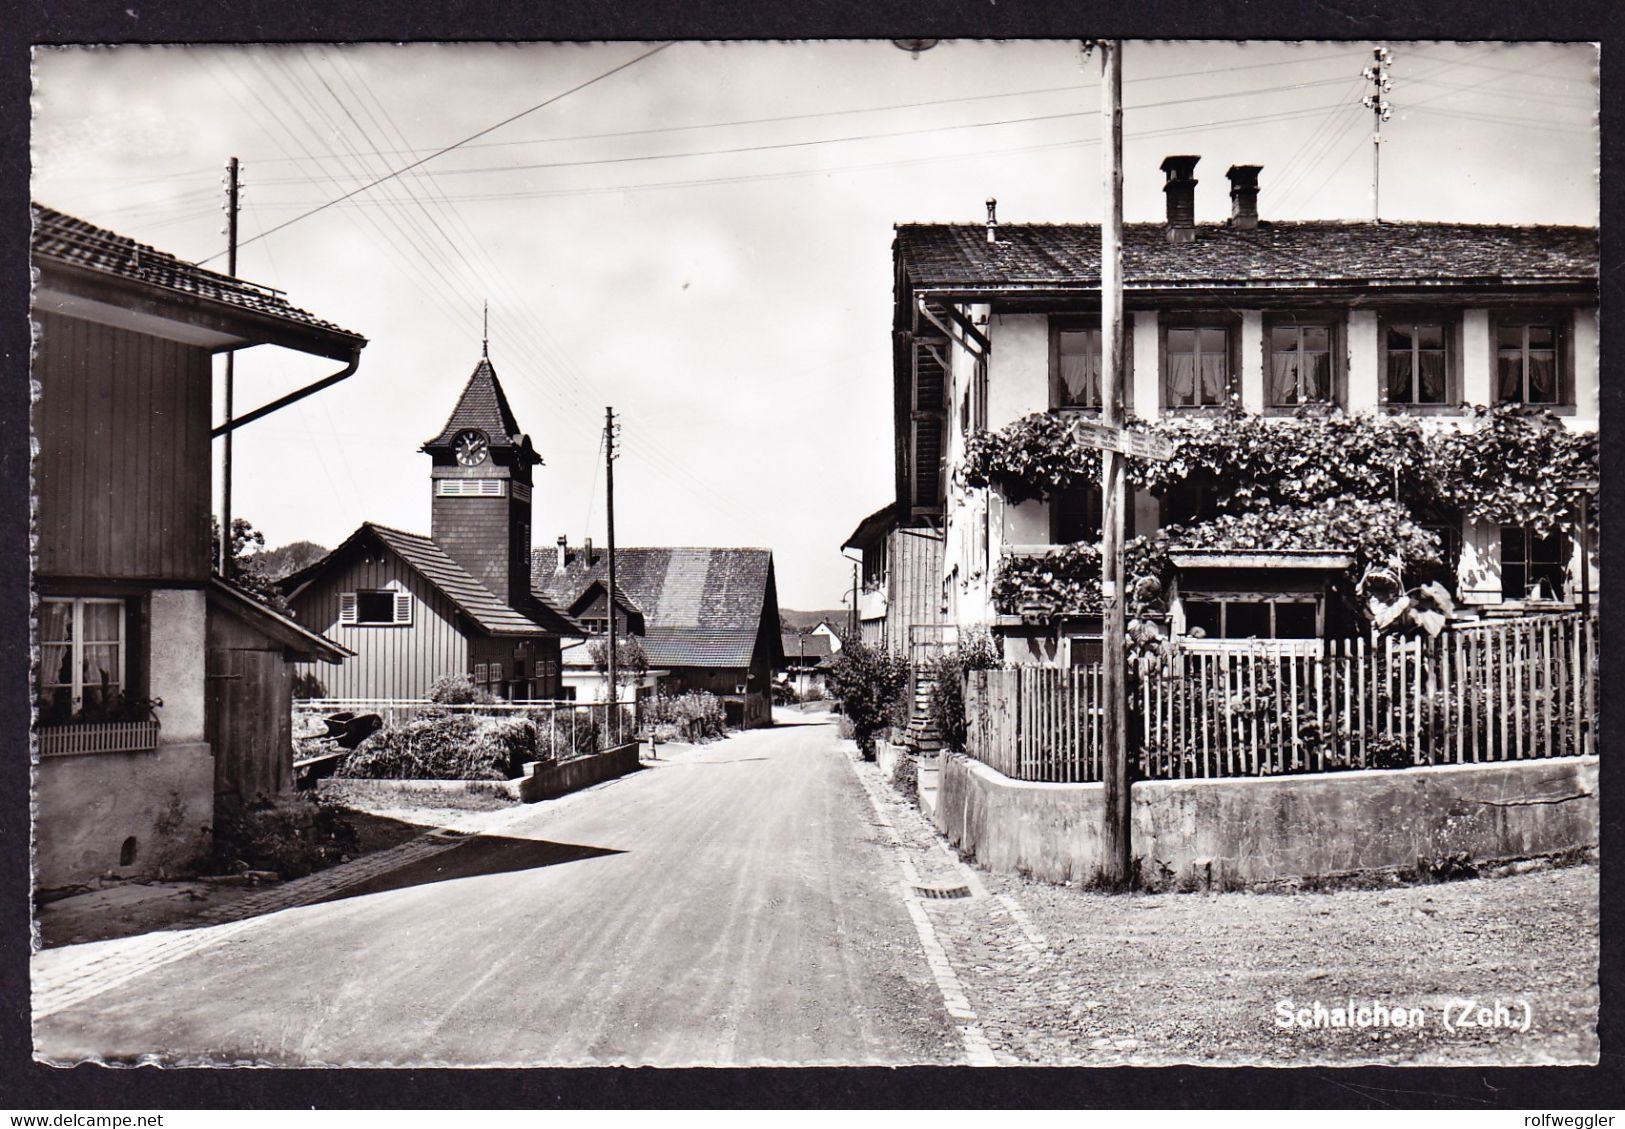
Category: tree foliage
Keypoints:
(976, 651)
(869, 683)
(246, 542)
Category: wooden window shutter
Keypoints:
(403, 607)
(347, 608)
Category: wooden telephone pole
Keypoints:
(1117, 866)
(233, 169)
(611, 431)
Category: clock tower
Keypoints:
(481, 484)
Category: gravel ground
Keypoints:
(1196, 978)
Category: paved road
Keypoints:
(735, 905)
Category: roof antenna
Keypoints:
(485, 339)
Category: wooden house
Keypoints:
(709, 617)
(457, 602)
(134, 741)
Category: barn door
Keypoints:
(249, 725)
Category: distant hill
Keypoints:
(799, 623)
(279, 562)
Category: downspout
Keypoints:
(309, 389)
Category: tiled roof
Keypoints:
(954, 256)
(483, 405)
(431, 562)
(68, 240)
(807, 650)
(702, 607)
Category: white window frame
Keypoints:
(77, 644)
(350, 608)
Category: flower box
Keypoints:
(98, 737)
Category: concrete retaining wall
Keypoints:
(87, 807)
(549, 780)
(1230, 832)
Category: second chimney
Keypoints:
(564, 554)
(1180, 188)
(1244, 195)
(992, 220)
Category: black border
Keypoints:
(25, 1084)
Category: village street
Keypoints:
(754, 901)
(734, 905)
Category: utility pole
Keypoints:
(233, 171)
(1117, 868)
(611, 430)
(1377, 75)
(852, 616)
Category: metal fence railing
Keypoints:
(579, 726)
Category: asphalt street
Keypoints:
(734, 905)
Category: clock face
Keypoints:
(470, 447)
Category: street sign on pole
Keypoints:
(1135, 444)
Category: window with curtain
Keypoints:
(1300, 365)
(1526, 363)
(1075, 382)
(1415, 363)
(1196, 366)
(82, 656)
(1532, 567)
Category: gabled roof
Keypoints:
(300, 641)
(482, 405)
(702, 607)
(453, 581)
(59, 238)
(811, 650)
(958, 256)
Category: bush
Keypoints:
(695, 716)
(870, 685)
(459, 747)
(458, 690)
(976, 651)
(292, 837)
(565, 734)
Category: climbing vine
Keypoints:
(1360, 484)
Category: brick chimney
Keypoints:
(586, 550)
(563, 560)
(1181, 191)
(1244, 195)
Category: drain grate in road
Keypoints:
(448, 833)
(942, 891)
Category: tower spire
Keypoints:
(485, 337)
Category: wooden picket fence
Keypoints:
(1492, 691)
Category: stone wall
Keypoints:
(1232, 832)
(89, 808)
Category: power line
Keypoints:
(449, 148)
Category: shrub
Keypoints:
(870, 684)
(445, 748)
(696, 716)
(565, 734)
(976, 651)
(458, 690)
(292, 837)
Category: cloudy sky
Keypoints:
(702, 239)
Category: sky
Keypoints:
(701, 237)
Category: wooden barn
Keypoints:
(130, 754)
(413, 608)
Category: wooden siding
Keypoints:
(389, 662)
(914, 584)
(248, 715)
(123, 470)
